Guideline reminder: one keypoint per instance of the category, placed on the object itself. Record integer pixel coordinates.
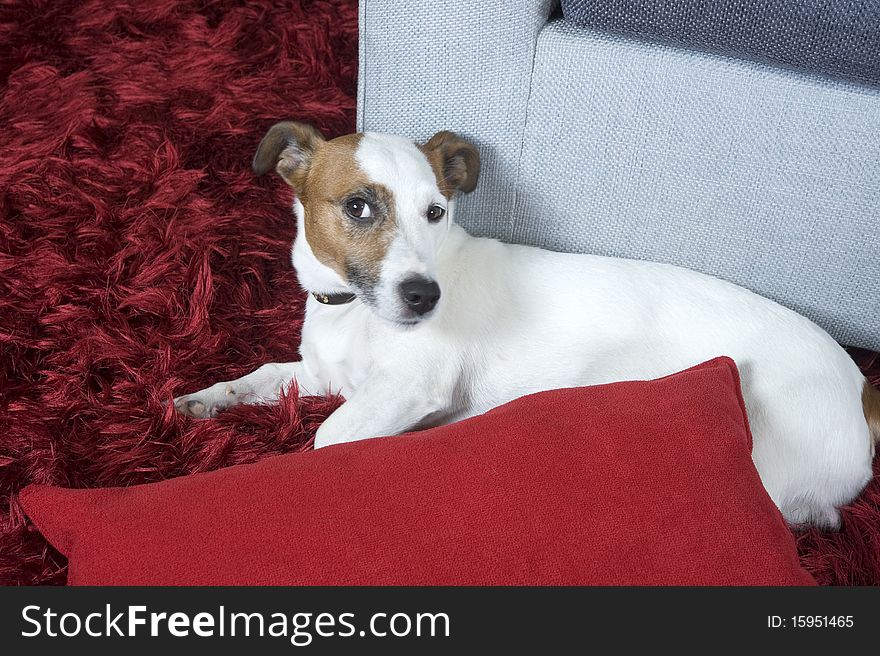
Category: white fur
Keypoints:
(513, 320)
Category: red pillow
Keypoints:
(628, 483)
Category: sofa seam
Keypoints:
(517, 188)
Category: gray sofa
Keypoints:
(745, 145)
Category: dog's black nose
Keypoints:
(420, 295)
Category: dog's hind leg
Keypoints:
(263, 385)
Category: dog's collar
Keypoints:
(334, 299)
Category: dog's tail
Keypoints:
(871, 407)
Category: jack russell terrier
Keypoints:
(416, 323)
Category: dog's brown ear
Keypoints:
(288, 148)
(456, 162)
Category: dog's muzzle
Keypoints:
(420, 294)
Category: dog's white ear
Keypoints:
(288, 148)
(456, 162)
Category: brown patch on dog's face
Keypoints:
(353, 248)
(456, 162)
(326, 177)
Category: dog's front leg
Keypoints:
(383, 405)
(263, 385)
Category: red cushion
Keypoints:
(628, 483)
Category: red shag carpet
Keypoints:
(140, 258)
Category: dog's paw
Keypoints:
(206, 403)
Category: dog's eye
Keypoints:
(358, 209)
(435, 213)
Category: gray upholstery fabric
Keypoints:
(454, 65)
(833, 37)
(762, 176)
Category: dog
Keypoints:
(416, 323)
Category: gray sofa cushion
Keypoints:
(761, 176)
(454, 65)
(834, 37)
(634, 148)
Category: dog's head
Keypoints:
(376, 208)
